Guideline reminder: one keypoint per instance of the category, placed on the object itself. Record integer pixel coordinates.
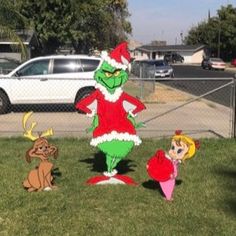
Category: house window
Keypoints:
(5, 48)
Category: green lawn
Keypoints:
(204, 203)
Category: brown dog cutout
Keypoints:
(41, 177)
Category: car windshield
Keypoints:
(216, 59)
(157, 63)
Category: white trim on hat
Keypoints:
(124, 61)
(112, 62)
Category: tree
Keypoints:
(227, 27)
(218, 33)
(102, 24)
(83, 24)
(10, 20)
(51, 19)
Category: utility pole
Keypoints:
(181, 36)
(219, 39)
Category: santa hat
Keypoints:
(119, 57)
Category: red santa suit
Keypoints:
(112, 116)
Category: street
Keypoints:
(211, 79)
(190, 71)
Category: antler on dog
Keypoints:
(28, 132)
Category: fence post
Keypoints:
(141, 82)
(234, 109)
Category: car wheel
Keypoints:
(82, 94)
(4, 103)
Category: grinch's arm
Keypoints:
(139, 106)
(94, 125)
(85, 102)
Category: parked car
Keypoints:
(233, 62)
(7, 65)
(50, 79)
(152, 68)
(213, 63)
(173, 58)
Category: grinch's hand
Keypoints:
(131, 119)
(140, 125)
(136, 125)
(94, 124)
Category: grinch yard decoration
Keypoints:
(163, 167)
(113, 127)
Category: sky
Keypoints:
(167, 19)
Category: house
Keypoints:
(133, 44)
(9, 48)
(191, 53)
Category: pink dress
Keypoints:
(168, 186)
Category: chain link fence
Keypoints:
(200, 107)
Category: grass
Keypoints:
(139, 88)
(204, 202)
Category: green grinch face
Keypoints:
(110, 77)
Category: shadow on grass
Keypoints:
(229, 203)
(56, 173)
(98, 164)
(154, 185)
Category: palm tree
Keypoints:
(10, 19)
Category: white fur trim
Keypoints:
(112, 62)
(131, 113)
(110, 174)
(124, 61)
(116, 136)
(111, 181)
(92, 114)
(109, 97)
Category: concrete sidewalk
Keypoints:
(200, 119)
(231, 69)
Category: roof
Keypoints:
(170, 48)
(25, 35)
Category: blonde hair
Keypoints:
(188, 141)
